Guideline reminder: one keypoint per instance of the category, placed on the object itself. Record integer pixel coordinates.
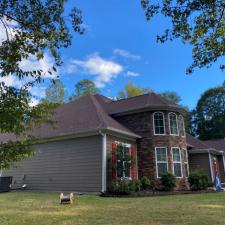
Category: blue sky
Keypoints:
(117, 32)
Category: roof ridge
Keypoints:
(99, 111)
(123, 99)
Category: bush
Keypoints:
(120, 187)
(145, 183)
(125, 187)
(198, 180)
(135, 185)
(168, 181)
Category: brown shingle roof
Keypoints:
(149, 101)
(82, 115)
(195, 143)
(217, 144)
(92, 112)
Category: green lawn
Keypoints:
(29, 208)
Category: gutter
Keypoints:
(126, 133)
(149, 108)
(199, 151)
(104, 155)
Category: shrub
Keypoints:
(125, 187)
(198, 180)
(145, 183)
(168, 181)
(135, 185)
(120, 187)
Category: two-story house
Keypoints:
(97, 140)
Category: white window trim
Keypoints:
(156, 162)
(177, 162)
(186, 162)
(122, 143)
(181, 118)
(128, 146)
(170, 125)
(163, 123)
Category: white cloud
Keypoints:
(44, 64)
(11, 81)
(132, 74)
(30, 64)
(104, 70)
(125, 54)
(38, 91)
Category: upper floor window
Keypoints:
(177, 166)
(173, 124)
(159, 124)
(161, 161)
(181, 125)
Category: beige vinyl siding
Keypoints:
(69, 165)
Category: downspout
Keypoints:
(104, 152)
(223, 160)
(211, 169)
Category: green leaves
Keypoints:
(55, 93)
(84, 87)
(209, 115)
(11, 152)
(199, 23)
(131, 91)
(33, 29)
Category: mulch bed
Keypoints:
(151, 193)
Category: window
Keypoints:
(185, 158)
(123, 161)
(161, 161)
(159, 124)
(177, 169)
(173, 124)
(181, 125)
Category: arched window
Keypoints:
(173, 124)
(181, 126)
(159, 124)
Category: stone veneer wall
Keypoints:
(142, 124)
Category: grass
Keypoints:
(26, 208)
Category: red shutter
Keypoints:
(114, 146)
(132, 168)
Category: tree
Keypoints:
(172, 96)
(32, 29)
(197, 22)
(131, 91)
(209, 115)
(55, 92)
(84, 87)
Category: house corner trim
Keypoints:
(104, 155)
